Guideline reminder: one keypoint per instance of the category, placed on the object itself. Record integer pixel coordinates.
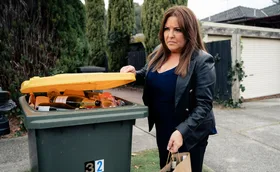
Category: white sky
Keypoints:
(206, 8)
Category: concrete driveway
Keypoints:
(248, 139)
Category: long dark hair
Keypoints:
(189, 25)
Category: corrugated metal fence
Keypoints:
(137, 59)
(221, 51)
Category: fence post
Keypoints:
(236, 55)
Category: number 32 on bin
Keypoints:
(95, 166)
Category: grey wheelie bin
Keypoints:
(84, 140)
(6, 104)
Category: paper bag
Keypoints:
(182, 166)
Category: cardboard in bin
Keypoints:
(80, 81)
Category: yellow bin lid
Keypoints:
(76, 81)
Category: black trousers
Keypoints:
(197, 153)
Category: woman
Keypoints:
(179, 88)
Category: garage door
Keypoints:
(262, 66)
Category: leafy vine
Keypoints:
(236, 73)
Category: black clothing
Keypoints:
(190, 111)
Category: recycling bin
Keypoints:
(84, 140)
(6, 104)
(91, 69)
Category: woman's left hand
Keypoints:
(175, 142)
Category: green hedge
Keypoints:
(40, 38)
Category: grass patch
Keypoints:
(144, 161)
(148, 161)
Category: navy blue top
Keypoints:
(162, 89)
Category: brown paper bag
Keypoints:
(182, 166)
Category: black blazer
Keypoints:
(193, 99)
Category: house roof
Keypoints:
(236, 13)
(270, 21)
(272, 10)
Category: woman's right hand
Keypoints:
(128, 69)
